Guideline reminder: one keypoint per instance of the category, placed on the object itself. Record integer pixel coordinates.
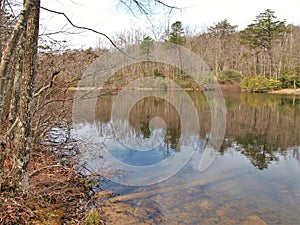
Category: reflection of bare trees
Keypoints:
(141, 114)
(296, 153)
(148, 108)
(278, 121)
(262, 126)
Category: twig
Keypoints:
(47, 86)
(12, 127)
(141, 6)
(59, 32)
(166, 5)
(48, 167)
(87, 28)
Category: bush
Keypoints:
(230, 76)
(260, 84)
(208, 81)
(185, 82)
(287, 80)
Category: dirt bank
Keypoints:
(230, 87)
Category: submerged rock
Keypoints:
(254, 220)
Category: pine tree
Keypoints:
(261, 35)
(176, 35)
(147, 46)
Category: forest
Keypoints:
(37, 75)
(262, 57)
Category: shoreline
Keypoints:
(286, 91)
(224, 87)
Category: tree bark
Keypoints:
(271, 63)
(23, 129)
(1, 31)
(11, 46)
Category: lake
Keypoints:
(253, 177)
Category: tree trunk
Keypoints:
(16, 89)
(11, 46)
(271, 63)
(23, 129)
(1, 30)
(257, 69)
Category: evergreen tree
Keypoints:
(176, 35)
(147, 46)
(222, 29)
(263, 33)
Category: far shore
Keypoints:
(224, 87)
(286, 91)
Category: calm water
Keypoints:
(254, 178)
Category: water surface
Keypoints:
(255, 177)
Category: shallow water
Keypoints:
(254, 178)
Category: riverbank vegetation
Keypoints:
(266, 51)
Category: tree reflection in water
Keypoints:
(260, 126)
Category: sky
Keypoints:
(113, 18)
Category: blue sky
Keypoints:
(109, 17)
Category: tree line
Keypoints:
(263, 56)
(266, 51)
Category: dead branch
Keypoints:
(47, 86)
(144, 6)
(88, 29)
(49, 167)
(9, 132)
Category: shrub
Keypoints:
(260, 84)
(230, 76)
(186, 82)
(287, 80)
(208, 81)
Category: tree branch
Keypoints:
(87, 28)
(42, 89)
(144, 5)
(49, 167)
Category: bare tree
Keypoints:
(23, 127)
(17, 92)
